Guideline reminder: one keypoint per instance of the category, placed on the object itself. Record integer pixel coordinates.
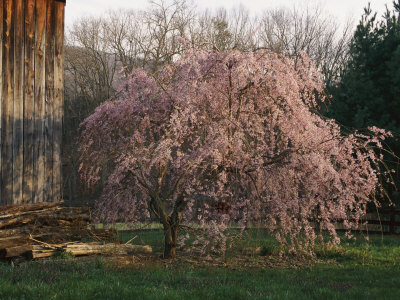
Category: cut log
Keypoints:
(18, 221)
(18, 238)
(16, 231)
(15, 251)
(34, 254)
(44, 218)
(13, 215)
(63, 228)
(41, 252)
(89, 249)
(18, 208)
(72, 218)
(14, 242)
(26, 225)
(60, 212)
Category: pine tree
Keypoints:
(368, 93)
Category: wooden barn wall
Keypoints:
(31, 92)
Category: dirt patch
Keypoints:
(233, 262)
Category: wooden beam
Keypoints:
(7, 102)
(1, 90)
(29, 100)
(40, 98)
(58, 99)
(49, 104)
(18, 135)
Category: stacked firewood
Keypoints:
(46, 229)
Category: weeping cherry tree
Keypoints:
(241, 129)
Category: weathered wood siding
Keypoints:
(31, 93)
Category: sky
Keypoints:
(341, 10)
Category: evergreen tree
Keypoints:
(368, 93)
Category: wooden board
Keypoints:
(49, 103)
(40, 98)
(29, 100)
(1, 86)
(7, 102)
(18, 114)
(31, 93)
(58, 99)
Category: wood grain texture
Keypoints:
(18, 134)
(31, 93)
(40, 98)
(58, 99)
(29, 99)
(49, 103)
(7, 102)
(1, 87)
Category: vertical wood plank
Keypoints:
(18, 126)
(40, 98)
(29, 100)
(7, 102)
(49, 104)
(58, 98)
(1, 90)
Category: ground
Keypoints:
(356, 270)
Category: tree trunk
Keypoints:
(170, 240)
(170, 223)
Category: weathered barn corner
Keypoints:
(31, 93)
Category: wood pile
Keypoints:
(45, 229)
(74, 249)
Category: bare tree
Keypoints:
(90, 63)
(243, 28)
(164, 23)
(125, 34)
(306, 29)
(223, 29)
(90, 78)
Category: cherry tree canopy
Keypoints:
(235, 128)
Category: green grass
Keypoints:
(67, 280)
(152, 238)
(355, 270)
(377, 251)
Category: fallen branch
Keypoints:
(15, 209)
(89, 249)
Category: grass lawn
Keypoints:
(354, 271)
